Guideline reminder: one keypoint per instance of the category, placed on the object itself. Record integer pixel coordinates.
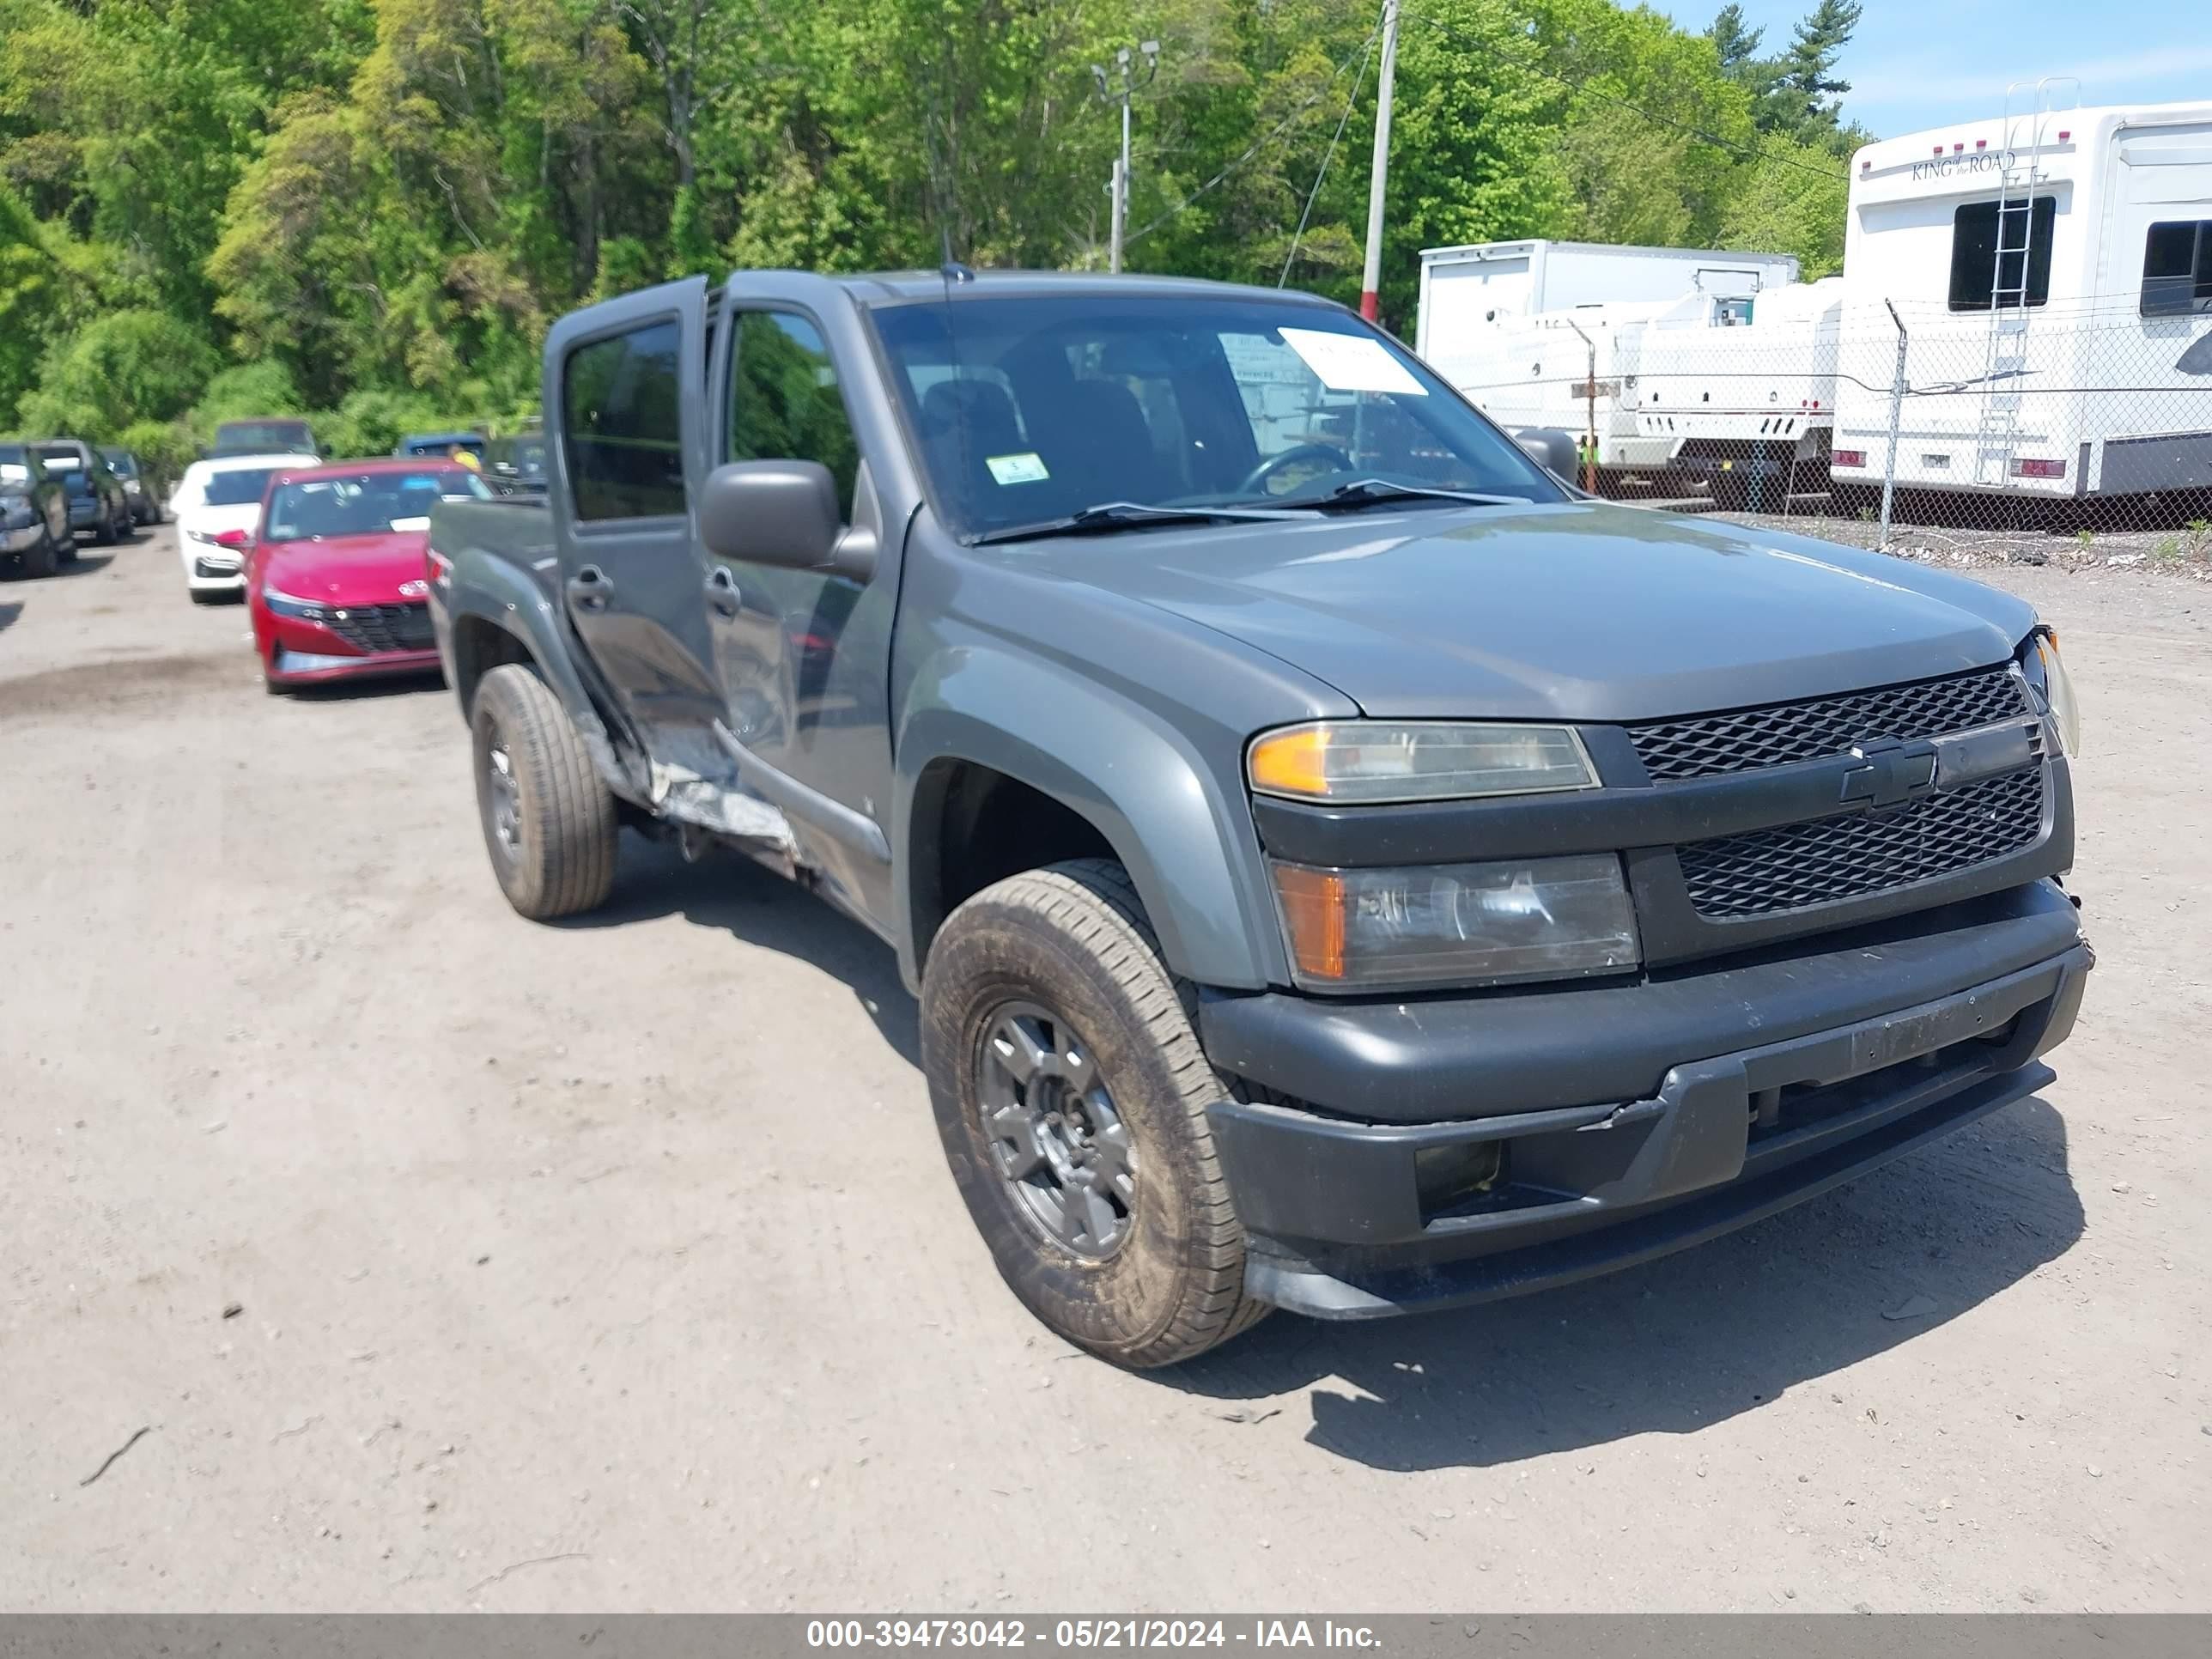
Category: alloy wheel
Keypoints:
(1055, 1135)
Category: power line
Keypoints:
(1312, 195)
(1751, 151)
(1257, 144)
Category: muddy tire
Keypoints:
(548, 822)
(1070, 1092)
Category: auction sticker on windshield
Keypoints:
(1025, 468)
(1351, 362)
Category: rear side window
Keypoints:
(622, 428)
(2177, 268)
(1990, 248)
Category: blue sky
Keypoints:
(1937, 61)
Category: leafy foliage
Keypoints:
(372, 210)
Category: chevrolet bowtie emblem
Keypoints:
(1890, 774)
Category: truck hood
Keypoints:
(348, 569)
(1583, 611)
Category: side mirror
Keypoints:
(780, 513)
(1552, 449)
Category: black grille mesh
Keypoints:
(1776, 735)
(1797, 864)
(376, 628)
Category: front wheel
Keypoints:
(1070, 1093)
(44, 559)
(549, 820)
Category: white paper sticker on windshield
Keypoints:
(1351, 362)
(1025, 468)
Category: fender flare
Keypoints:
(1193, 855)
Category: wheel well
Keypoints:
(479, 646)
(974, 826)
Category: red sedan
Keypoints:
(334, 578)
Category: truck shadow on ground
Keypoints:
(1670, 1347)
(761, 908)
(7, 614)
(1680, 1344)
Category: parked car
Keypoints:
(97, 500)
(1351, 874)
(145, 504)
(516, 466)
(263, 435)
(34, 514)
(442, 444)
(217, 506)
(334, 580)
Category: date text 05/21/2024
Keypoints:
(1086, 1633)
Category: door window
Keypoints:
(2177, 268)
(621, 428)
(784, 401)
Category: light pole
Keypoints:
(1119, 85)
(1371, 280)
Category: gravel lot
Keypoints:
(450, 1262)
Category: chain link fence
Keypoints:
(2071, 432)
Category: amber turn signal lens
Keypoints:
(1292, 763)
(1313, 917)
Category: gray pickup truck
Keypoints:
(1342, 868)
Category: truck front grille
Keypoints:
(1797, 864)
(1781, 733)
(378, 628)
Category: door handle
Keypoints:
(722, 594)
(589, 589)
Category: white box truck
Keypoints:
(1541, 333)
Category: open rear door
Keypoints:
(626, 390)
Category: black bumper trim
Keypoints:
(1428, 1286)
(1533, 1049)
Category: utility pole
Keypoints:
(1370, 304)
(1120, 85)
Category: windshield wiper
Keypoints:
(1372, 492)
(1117, 515)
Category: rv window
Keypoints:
(1984, 263)
(2177, 269)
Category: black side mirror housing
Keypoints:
(771, 512)
(1552, 449)
(781, 513)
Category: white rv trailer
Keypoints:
(1744, 390)
(2053, 268)
(1518, 326)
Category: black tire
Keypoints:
(105, 534)
(561, 859)
(1073, 941)
(42, 560)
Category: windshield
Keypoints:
(14, 465)
(62, 460)
(120, 463)
(365, 504)
(263, 435)
(1031, 409)
(240, 487)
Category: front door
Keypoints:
(631, 377)
(803, 654)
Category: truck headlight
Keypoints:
(1456, 924)
(291, 604)
(2040, 662)
(1370, 762)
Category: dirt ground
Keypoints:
(615, 1265)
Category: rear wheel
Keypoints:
(104, 535)
(549, 820)
(1070, 1093)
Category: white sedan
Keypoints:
(217, 507)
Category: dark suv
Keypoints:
(97, 499)
(34, 514)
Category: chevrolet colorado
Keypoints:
(1342, 867)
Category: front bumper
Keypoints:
(286, 666)
(1729, 1094)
